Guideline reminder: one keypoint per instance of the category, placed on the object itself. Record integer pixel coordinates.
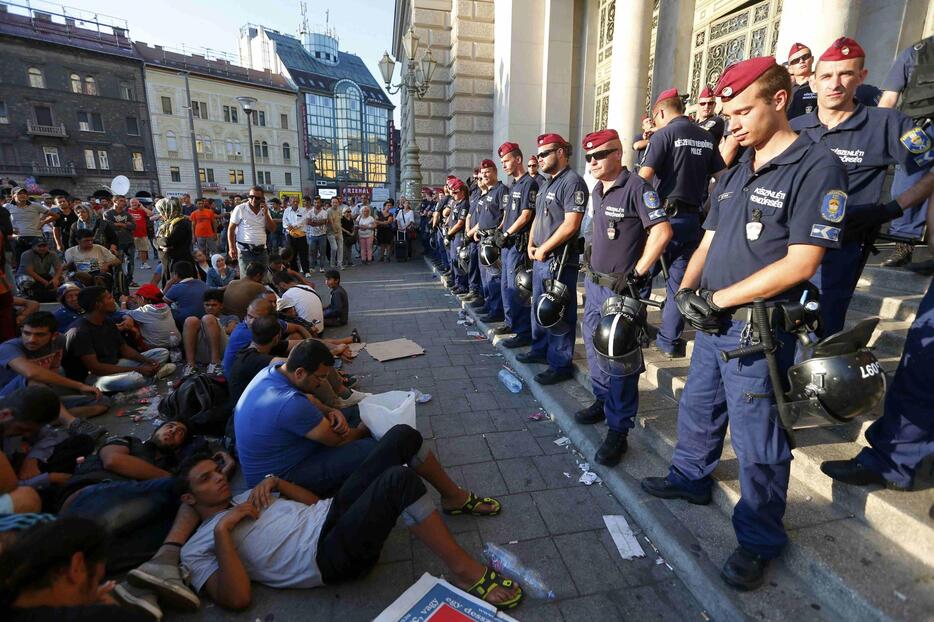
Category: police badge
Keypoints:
(580, 197)
(533, 196)
(916, 140)
(650, 197)
(833, 206)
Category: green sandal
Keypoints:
(470, 506)
(489, 582)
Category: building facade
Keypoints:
(221, 136)
(512, 70)
(344, 112)
(72, 108)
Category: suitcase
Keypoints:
(402, 246)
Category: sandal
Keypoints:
(489, 582)
(470, 506)
(355, 336)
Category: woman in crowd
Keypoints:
(384, 232)
(348, 230)
(405, 221)
(219, 275)
(366, 226)
(202, 265)
(174, 237)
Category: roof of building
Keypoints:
(311, 74)
(105, 38)
(218, 68)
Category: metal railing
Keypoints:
(66, 170)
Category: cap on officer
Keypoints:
(507, 148)
(595, 139)
(843, 48)
(486, 164)
(666, 94)
(551, 139)
(740, 75)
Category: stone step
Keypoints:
(895, 279)
(885, 303)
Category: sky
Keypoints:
(364, 27)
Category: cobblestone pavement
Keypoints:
(482, 435)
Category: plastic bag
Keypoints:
(382, 411)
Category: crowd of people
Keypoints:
(761, 201)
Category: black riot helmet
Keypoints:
(549, 308)
(616, 338)
(463, 258)
(842, 379)
(489, 254)
(524, 284)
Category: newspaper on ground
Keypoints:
(625, 540)
(432, 599)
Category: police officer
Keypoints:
(682, 156)
(640, 141)
(765, 236)
(517, 220)
(912, 76)
(533, 171)
(425, 209)
(438, 222)
(867, 140)
(456, 222)
(800, 66)
(904, 435)
(490, 207)
(707, 116)
(559, 209)
(630, 231)
(475, 296)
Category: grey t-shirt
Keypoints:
(278, 549)
(43, 265)
(157, 325)
(26, 219)
(124, 234)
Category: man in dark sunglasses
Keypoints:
(707, 116)
(801, 68)
(246, 233)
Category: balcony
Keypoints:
(235, 157)
(56, 131)
(67, 170)
(209, 185)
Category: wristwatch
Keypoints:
(272, 476)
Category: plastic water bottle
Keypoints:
(509, 380)
(508, 564)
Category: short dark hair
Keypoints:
(265, 329)
(286, 254)
(774, 79)
(306, 198)
(183, 269)
(90, 296)
(333, 274)
(217, 295)
(255, 189)
(34, 404)
(255, 269)
(185, 467)
(309, 355)
(42, 319)
(42, 552)
(84, 233)
(283, 276)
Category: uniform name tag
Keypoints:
(753, 231)
(611, 233)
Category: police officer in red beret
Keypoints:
(707, 116)
(766, 235)
(484, 220)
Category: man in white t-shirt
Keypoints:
(246, 233)
(308, 304)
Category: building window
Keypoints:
(43, 115)
(210, 173)
(126, 92)
(3, 115)
(286, 152)
(36, 79)
(199, 109)
(103, 159)
(230, 114)
(259, 118)
(166, 105)
(238, 148)
(75, 83)
(175, 173)
(349, 116)
(132, 126)
(265, 150)
(321, 145)
(257, 150)
(137, 158)
(51, 156)
(89, 161)
(90, 122)
(232, 174)
(288, 179)
(268, 178)
(90, 86)
(208, 145)
(171, 144)
(376, 144)
(239, 176)
(284, 121)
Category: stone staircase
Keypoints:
(857, 553)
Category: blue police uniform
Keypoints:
(866, 143)
(441, 251)
(564, 193)
(683, 157)
(803, 101)
(521, 197)
(628, 209)
(716, 126)
(540, 179)
(756, 216)
(474, 283)
(490, 207)
(458, 213)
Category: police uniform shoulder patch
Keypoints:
(833, 206)
(650, 198)
(825, 232)
(656, 214)
(916, 140)
(580, 197)
(533, 195)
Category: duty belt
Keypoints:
(674, 207)
(604, 280)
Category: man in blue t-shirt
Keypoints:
(184, 292)
(241, 336)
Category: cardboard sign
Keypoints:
(432, 599)
(384, 351)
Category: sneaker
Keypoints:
(308, 274)
(321, 270)
(140, 600)
(83, 426)
(134, 284)
(166, 370)
(167, 581)
(145, 266)
(215, 369)
(190, 370)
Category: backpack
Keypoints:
(200, 401)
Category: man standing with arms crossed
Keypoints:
(246, 233)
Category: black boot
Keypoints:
(744, 570)
(661, 487)
(592, 414)
(611, 451)
(899, 257)
(855, 474)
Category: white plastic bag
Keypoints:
(383, 410)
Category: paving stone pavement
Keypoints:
(482, 435)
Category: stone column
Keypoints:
(673, 41)
(815, 23)
(557, 66)
(629, 70)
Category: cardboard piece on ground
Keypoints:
(356, 347)
(432, 599)
(384, 351)
(623, 538)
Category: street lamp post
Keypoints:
(249, 104)
(191, 130)
(415, 77)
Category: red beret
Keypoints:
(645, 117)
(705, 93)
(456, 184)
(843, 48)
(548, 139)
(506, 147)
(795, 48)
(595, 139)
(487, 164)
(149, 292)
(740, 75)
(451, 178)
(666, 94)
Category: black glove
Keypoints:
(638, 281)
(697, 310)
(499, 238)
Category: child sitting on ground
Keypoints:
(337, 311)
(152, 324)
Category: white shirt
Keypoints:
(404, 219)
(307, 303)
(294, 217)
(251, 228)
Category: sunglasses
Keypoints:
(253, 196)
(707, 103)
(541, 155)
(801, 59)
(598, 155)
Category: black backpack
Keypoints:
(202, 402)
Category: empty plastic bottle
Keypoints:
(507, 563)
(509, 380)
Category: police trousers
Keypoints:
(558, 349)
(620, 395)
(738, 393)
(518, 315)
(474, 282)
(490, 279)
(460, 277)
(836, 278)
(904, 435)
(441, 251)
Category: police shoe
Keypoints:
(516, 342)
(924, 268)
(661, 487)
(551, 376)
(458, 290)
(528, 357)
(679, 350)
(505, 329)
(855, 474)
(899, 257)
(479, 303)
(592, 414)
(744, 570)
(611, 451)
(468, 297)
(491, 319)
